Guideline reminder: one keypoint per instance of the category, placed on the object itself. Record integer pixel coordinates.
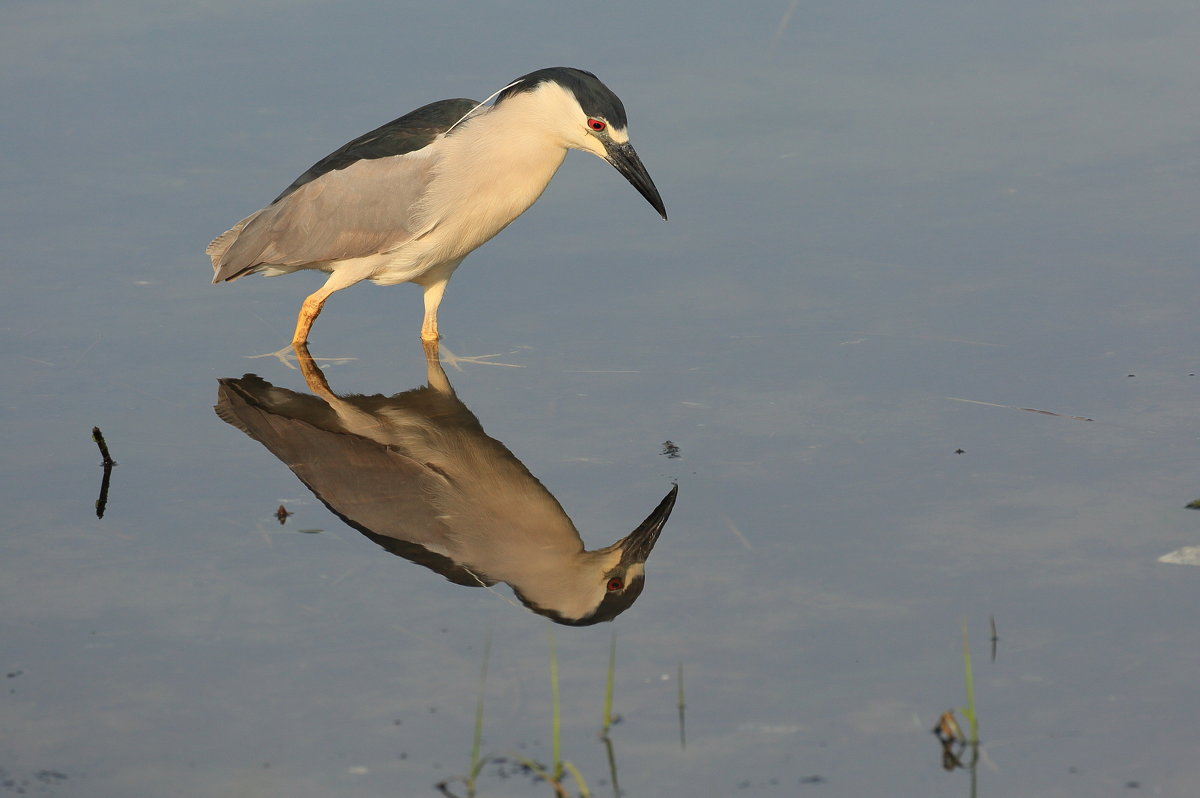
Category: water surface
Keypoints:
(874, 216)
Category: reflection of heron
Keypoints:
(417, 474)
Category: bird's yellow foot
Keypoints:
(287, 356)
(454, 360)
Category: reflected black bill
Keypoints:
(637, 545)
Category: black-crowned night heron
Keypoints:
(417, 474)
(409, 200)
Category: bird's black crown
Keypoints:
(594, 97)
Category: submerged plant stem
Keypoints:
(477, 742)
(682, 707)
(608, 688)
(607, 720)
(555, 721)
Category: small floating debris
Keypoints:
(1194, 504)
(1188, 555)
(670, 450)
(282, 514)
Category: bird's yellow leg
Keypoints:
(309, 310)
(433, 298)
(429, 330)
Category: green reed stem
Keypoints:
(969, 679)
(556, 721)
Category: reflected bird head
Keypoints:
(607, 581)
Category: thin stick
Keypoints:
(102, 501)
(98, 437)
(108, 463)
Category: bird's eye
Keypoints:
(616, 583)
(597, 124)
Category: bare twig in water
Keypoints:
(102, 501)
(108, 463)
(98, 437)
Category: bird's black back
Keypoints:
(410, 132)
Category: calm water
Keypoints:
(875, 214)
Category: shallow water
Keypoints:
(874, 217)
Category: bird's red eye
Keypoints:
(616, 583)
(596, 124)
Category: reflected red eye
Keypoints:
(597, 124)
(616, 583)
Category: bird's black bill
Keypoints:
(629, 164)
(635, 548)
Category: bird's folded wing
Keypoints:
(359, 200)
(365, 209)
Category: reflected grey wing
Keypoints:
(373, 488)
(359, 200)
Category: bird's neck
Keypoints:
(493, 170)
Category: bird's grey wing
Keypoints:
(364, 209)
(359, 200)
(411, 132)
